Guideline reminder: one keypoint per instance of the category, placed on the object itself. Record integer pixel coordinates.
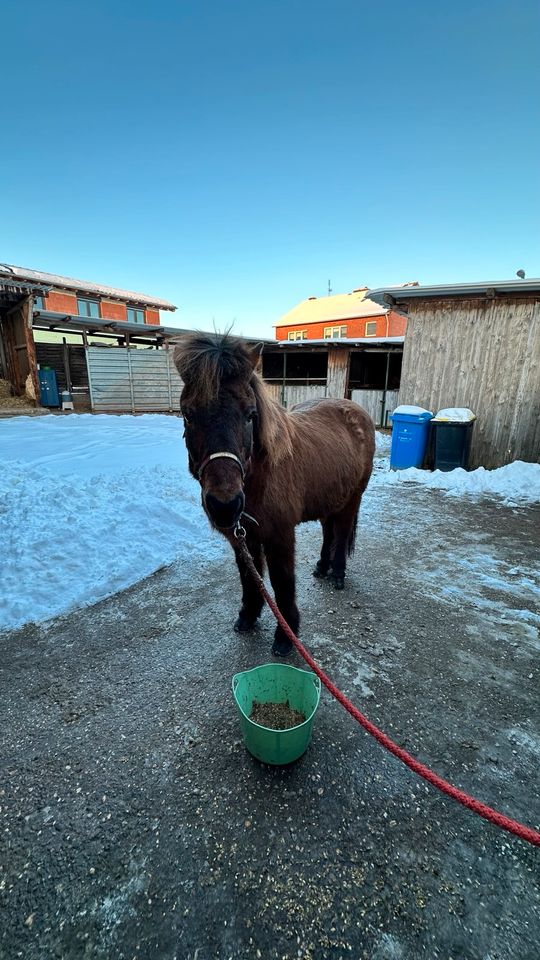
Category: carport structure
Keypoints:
(366, 370)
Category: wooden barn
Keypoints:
(366, 370)
(476, 345)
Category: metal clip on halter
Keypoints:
(239, 531)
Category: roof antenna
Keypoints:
(329, 288)
(520, 274)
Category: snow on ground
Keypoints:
(90, 505)
(515, 484)
(383, 441)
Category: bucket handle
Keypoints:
(235, 681)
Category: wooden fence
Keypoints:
(373, 400)
(125, 379)
(290, 394)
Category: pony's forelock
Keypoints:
(206, 361)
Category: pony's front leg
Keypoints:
(280, 558)
(252, 601)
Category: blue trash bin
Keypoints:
(48, 388)
(410, 431)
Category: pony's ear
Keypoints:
(255, 354)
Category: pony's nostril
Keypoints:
(224, 513)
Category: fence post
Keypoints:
(169, 384)
(130, 374)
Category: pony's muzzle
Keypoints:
(224, 514)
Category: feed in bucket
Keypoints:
(267, 686)
(276, 716)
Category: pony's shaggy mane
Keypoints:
(206, 361)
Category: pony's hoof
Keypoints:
(339, 583)
(319, 571)
(244, 624)
(281, 647)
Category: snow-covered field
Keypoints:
(91, 504)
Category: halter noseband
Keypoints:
(223, 454)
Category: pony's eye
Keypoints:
(250, 416)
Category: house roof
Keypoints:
(390, 295)
(50, 280)
(341, 306)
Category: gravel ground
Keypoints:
(135, 825)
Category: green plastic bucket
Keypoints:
(276, 683)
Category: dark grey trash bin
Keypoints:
(453, 429)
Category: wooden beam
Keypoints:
(67, 368)
(27, 310)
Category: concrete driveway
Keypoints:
(135, 825)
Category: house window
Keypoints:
(134, 315)
(87, 308)
(297, 335)
(39, 303)
(334, 333)
(371, 328)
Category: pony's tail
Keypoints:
(352, 536)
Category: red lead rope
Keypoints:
(506, 823)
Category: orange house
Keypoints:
(343, 316)
(84, 298)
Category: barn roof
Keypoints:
(340, 342)
(52, 280)
(341, 306)
(390, 295)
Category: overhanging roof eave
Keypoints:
(395, 295)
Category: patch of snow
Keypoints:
(89, 505)
(383, 441)
(411, 410)
(455, 415)
(516, 483)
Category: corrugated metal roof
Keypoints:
(386, 295)
(341, 306)
(8, 270)
(341, 342)
(47, 319)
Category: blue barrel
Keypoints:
(48, 388)
(410, 433)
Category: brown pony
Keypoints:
(270, 468)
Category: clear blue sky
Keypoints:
(233, 155)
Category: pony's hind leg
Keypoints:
(280, 558)
(323, 564)
(344, 535)
(252, 601)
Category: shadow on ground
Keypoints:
(135, 825)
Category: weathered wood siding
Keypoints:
(131, 380)
(482, 354)
(52, 355)
(291, 394)
(338, 372)
(371, 400)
